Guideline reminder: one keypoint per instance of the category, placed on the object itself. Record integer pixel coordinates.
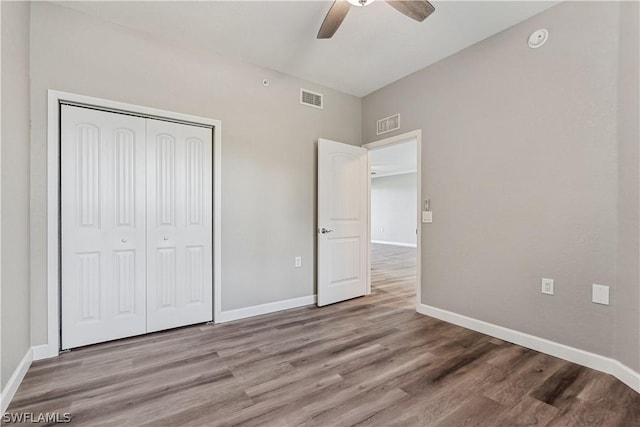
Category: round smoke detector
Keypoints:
(538, 38)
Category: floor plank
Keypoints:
(370, 361)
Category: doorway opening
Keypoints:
(394, 206)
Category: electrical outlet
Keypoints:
(547, 286)
(298, 261)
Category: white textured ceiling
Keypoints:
(394, 159)
(375, 45)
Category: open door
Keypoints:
(342, 221)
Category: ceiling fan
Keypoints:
(414, 9)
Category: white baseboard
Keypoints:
(14, 382)
(384, 242)
(256, 310)
(44, 351)
(625, 374)
(572, 354)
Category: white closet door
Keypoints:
(179, 225)
(103, 226)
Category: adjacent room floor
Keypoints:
(393, 270)
(368, 361)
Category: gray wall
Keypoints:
(520, 164)
(394, 208)
(15, 323)
(520, 151)
(268, 155)
(627, 321)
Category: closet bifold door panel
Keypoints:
(179, 224)
(103, 265)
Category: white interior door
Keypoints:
(103, 226)
(342, 221)
(179, 225)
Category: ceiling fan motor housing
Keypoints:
(360, 2)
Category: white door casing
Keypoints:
(103, 226)
(179, 224)
(342, 221)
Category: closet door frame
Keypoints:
(55, 100)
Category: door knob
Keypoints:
(165, 237)
(124, 240)
(325, 231)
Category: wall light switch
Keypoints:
(600, 294)
(427, 217)
(298, 262)
(547, 286)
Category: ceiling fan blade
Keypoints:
(334, 18)
(414, 9)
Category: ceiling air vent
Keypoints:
(311, 99)
(388, 124)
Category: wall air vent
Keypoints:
(311, 99)
(388, 124)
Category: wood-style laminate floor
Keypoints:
(371, 361)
